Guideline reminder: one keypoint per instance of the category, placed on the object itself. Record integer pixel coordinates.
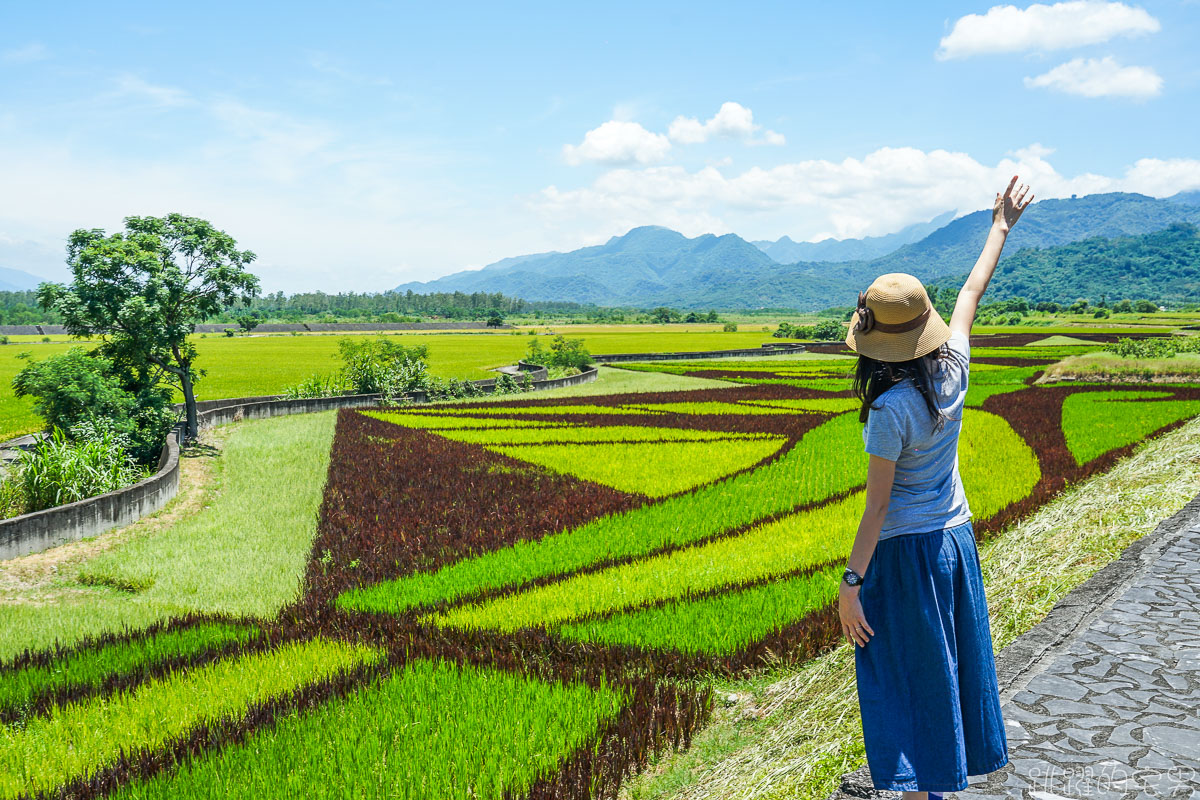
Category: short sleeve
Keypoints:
(884, 433)
(959, 345)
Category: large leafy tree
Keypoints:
(142, 291)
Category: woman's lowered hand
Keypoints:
(854, 624)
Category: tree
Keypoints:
(663, 314)
(142, 292)
(247, 322)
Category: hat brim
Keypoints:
(920, 341)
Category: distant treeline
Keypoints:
(21, 308)
(392, 306)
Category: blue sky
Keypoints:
(355, 146)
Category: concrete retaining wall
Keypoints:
(32, 533)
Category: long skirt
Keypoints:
(927, 684)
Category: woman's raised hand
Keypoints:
(1008, 208)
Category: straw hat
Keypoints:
(895, 320)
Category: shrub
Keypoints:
(563, 352)
(1145, 307)
(1155, 347)
(1101, 313)
(78, 388)
(230, 332)
(3, 340)
(315, 386)
(1013, 319)
(829, 330)
(730, 327)
(507, 384)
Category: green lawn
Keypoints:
(243, 553)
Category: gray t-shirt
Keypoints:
(927, 494)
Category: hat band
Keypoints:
(903, 327)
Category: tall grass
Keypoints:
(60, 470)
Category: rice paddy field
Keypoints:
(529, 597)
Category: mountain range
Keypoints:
(651, 266)
(15, 280)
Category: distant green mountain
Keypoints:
(786, 251)
(646, 266)
(652, 266)
(1163, 266)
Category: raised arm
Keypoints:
(1005, 213)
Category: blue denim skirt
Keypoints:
(927, 684)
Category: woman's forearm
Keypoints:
(985, 266)
(866, 539)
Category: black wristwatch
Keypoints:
(851, 577)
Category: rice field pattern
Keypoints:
(521, 599)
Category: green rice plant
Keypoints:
(655, 469)
(720, 625)
(556, 410)
(91, 668)
(799, 540)
(598, 433)
(431, 729)
(823, 405)
(997, 467)
(826, 462)
(77, 740)
(707, 408)
(1094, 423)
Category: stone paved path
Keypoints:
(1116, 714)
(1102, 699)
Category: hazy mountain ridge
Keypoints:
(15, 280)
(656, 266)
(786, 251)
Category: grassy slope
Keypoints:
(1111, 367)
(792, 733)
(244, 553)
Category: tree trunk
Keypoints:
(189, 402)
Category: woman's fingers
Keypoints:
(1011, 184)
(1021, 193)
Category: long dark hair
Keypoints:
(873, 377)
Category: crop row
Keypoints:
(72, 742)
(72, 675)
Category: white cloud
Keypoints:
(1008, 29)
(163, 96)
(34, 51)
(876, 194)
(732, 120)
(1099, 77)
(618, 142)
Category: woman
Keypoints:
(912, 597)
